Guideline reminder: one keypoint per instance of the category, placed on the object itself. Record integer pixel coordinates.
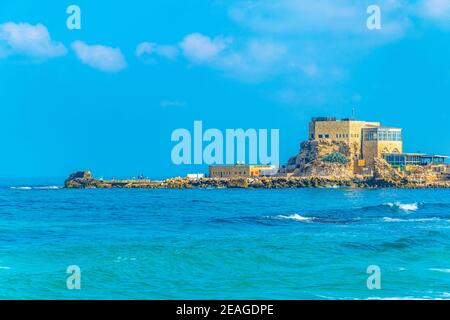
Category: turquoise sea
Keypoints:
(223, 243)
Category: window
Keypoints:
(320, 136)
(327, 136)
(382, 135)
(371, 135)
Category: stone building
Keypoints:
(232, 171)
(377, 141)
(367, 140)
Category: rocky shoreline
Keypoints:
(84, 180)
(318, 164)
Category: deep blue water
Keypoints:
(224, 243)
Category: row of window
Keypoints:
(383, 135)
(339, 135)
(228, 173)
(401, 160)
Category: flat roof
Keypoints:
(422, 155)
(334, 119)
(371, 126)
(436, 156)
(243, 165)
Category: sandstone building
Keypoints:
(368, 141)
(232, 171)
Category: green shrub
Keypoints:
(336, 157)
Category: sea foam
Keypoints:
(295, 216)
(388, 219)
(440, 270)
(404, 206)
(37, 188)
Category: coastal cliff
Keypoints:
(322, 158)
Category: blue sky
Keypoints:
(107, 97)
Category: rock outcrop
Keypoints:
(78, 179)
(384, 171)
(311, 160)
(423, 174)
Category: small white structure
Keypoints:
(269, 172)
(195, 176)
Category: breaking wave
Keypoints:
(295, 217)
(389, 212)
(316, 219)
(403, 206)
(36, 188)
(440, 270)
(388, 219)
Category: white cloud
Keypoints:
(148, 49)
(265, 51)
(100, 57)
(319, 17)
(435, 9)
(145, 48)
(307, 40)
(200, 48)
(29, 40)
(167, 51)
(252, 60)
(247, 59)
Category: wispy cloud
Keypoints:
(305, 41)
(436, 10)
(246, 59)
(147, 50)
(201, 48)
(253, 59)
(172, 103)
(29, 40)
(315, 42)
(310, 69)
(324, 17)
(100, 57)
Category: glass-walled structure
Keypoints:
(405, 159)
(382, 134)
